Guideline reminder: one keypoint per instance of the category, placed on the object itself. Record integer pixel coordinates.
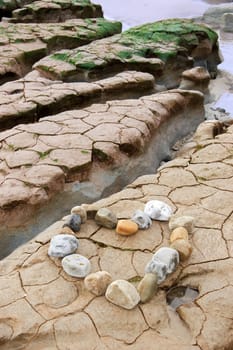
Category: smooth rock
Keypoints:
(181, 221)
(126, 227)
(168, 256)
(147, 287)
(106, 218)
(98, 282)
(76, 265)
(80, 211)
(123, 294)
(73, 222)
(179, 233)
(142, 220)
(158, 268)
(183, 247)
(62, 245)
(158, 210)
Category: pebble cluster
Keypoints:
(163, 263)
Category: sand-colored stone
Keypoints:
(179, 233)
(183, 247)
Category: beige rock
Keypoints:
(147, 287)
(80, 211)
(98, 282)
(179, 233)
(123, 294)
(126, 227)
(183, 247)
(181, 221)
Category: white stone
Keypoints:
(123, 294)
(142, 220)
(62, 245)
(158, 268)
(158, 210)
(76, 265)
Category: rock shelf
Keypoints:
(36, 306)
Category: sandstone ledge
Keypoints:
(36, 307)
(80, 145)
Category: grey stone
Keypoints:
(158, 268)
(106, 218)
(76, 265)
(73, 222)
(62, 245)
(185, 221)
(141, 219)
(80, 211)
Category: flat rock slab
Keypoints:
(33, 97)
(39, 309)
(37, 159)
(49, 11)
(153, 47)
(24, 44)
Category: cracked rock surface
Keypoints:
(39, 310)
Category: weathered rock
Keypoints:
(62, 245)
(179, 233)
(123, 294)
(142, 220)
(182, 221)
(106, 218)
(81, 212)
(183, 247)
(196, 78)
(147, 287)
(126, 227)
(158, 210)
(76, 265)
(73, 222)
(153, 47)
(98, 282)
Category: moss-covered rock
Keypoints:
(174, 43)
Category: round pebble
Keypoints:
(62, 245)
(158, 210)
(147, 287)
(142, 220)
(181, 221)
(179, 233)
(126, 227)
(76, 265)
(81, 212)
(123, 294)
(106, 218)
(168, 256)
(183, 247)
(73, 222)
(98, 282)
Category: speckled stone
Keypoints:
(106, 218)
(142, 220)
(147, 287)
(183, 247)
(182, 221)
(158, 210)
(98, 282)
(179, 233)
(163, 262)
(76, 265)
(62, 245)
(123, 294)
(126, 227)
(80, 211)
(73, 222)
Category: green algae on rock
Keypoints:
(163, 47)
(23, 44)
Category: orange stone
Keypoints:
(179, 233)
(126, 227)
